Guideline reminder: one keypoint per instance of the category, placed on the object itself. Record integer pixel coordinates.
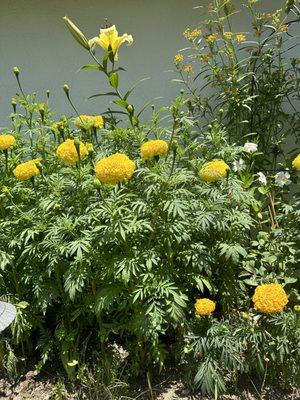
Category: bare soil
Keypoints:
(31, 387)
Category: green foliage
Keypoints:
(88, 264)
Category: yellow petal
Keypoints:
(108, 36)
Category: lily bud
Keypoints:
(77, 34)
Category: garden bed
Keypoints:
(31, 387)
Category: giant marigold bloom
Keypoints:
(204, 307)
(269, 298)
(67, 152)
(213, 170)
(86, 122)
(295, 163)
(7, 141)
(154, 148)
(27, 170)
(114, 169)
(110, 37)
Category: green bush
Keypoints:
(97, 250)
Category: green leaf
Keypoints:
(114, 80)
(92, 67)
(127, 94)
(103, 94)
(121, 103)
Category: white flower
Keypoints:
(250, 147)
(238, 165)
(282, 178)
(262, 178)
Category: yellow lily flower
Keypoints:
(110, 37)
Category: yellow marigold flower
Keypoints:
(240, 37)
(196, 32)
(269, 298)
(114, 169)
(110, 37)
(187, 68)
(204, 307)
(211, 38)
(98, 121)
(228, 35)
(67, 152)
(213, 170)
(26, 170)
(283, 27)
(296, 162)
(7, 141)
(154, 148)
(178, 58)
(86, 122)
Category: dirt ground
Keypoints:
(30, 387)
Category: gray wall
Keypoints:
(33, 36)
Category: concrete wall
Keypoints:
(33, 36)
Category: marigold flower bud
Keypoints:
(16, 71)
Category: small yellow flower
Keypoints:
(114, 169)
(269, 298)
(67, 152)
(154, 148)
(7, 141)
(283, 28)
(297, 308)
(213, 170)
(211, 38)
(240, 37)
(178, 58)
(26, 170)
(187, 68)
(204, 306)
(86, 122)
(109, 37)
(228, 35)
(196, 32)
(205, 57)
(296, 162)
